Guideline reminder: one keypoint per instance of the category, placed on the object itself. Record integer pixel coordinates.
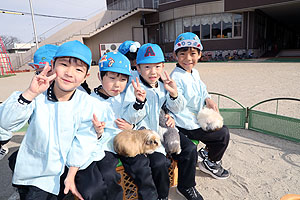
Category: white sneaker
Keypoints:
(214, 169)
(3, 152)
(202, 154)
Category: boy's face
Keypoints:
(151, 72)
(188, 59)
(70, 73)
(114, 83)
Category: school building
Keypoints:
(240, 28)
(228, 29)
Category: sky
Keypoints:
(21, 26)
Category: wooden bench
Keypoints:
(130, 190)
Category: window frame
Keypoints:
(181, 20)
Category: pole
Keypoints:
(33, 24)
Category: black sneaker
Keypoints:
(202, 154)
(214, 169)
(189, 193)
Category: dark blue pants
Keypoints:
(99, 181)
(28, 192)
(150, 174)
(215, 141)
(186, 162)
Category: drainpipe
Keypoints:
(143, 24)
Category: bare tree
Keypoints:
(9, 40)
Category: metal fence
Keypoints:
(286, 127)
(233, 117)
(274, 124)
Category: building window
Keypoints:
(205, 31)
(166, 1)
(166, 32)
(237, 25)
(215, 26)
(178, 27)
(171, 31)
(196, 25)
(216, 30)
(227, 25)
(156, 2)
(227, 30)
(187, 24)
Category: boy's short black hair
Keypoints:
(184, 49)
(76, 60)
(131, 55)
(102, 74)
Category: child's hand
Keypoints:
(70, 183)
(70, 186)
(211, 104)
(139, 92)
(39, 84)
(170, 85)
(98, 126)
(123, 124)
(170, 121)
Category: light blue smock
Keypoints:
(134, 75)
(148, 116)
(111, 129)
(59, 134)
(194, 91)
(4, 134)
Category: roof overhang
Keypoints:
(285, 12)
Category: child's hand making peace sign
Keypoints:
(98, 126)
(39, 84)
(139, 92)
(170, 85)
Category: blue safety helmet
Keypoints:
(115, 62)
(42, 55)
(75, 49)
(150, 53)
(187, 39)
(129, 46)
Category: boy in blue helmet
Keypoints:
(142, 104)
(99, 179)
(42, 56)
(60, 132)
(129, 49)
(188, 49)
(114, 72)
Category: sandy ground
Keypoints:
(262, 166)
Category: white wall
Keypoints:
(117, 33)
